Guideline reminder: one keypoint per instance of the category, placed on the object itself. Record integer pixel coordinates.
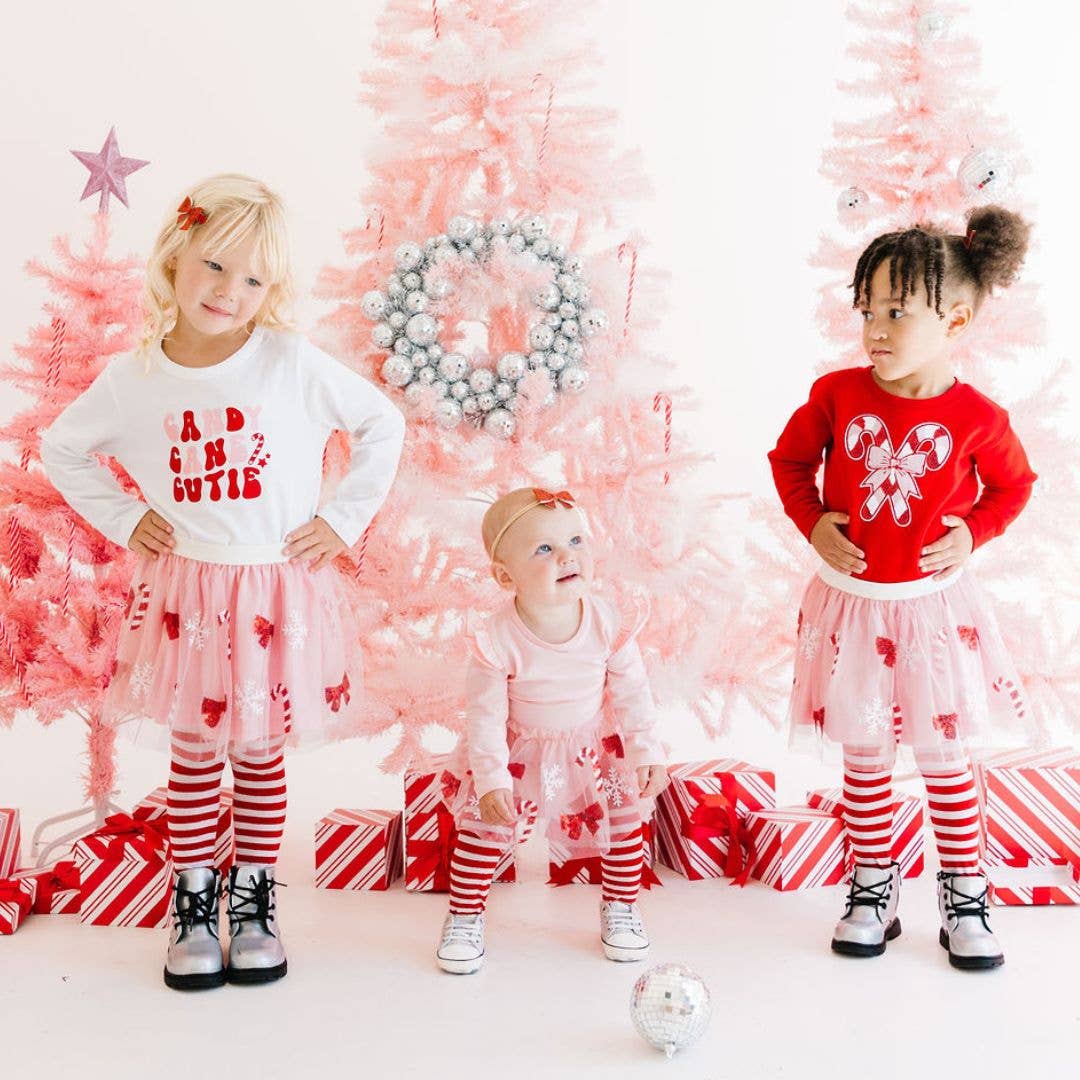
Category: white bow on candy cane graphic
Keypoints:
(893, 473)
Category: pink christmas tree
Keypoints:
(62, 584)
(497, 232)
(928, 150)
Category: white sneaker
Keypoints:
(461, 950)
(622, 932)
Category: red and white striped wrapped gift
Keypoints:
(699, 852)
(430, 831)
(564, 869)
(798, 848)
(126, 874)
(1031, 807)
(1022, 884)
(908, 830)
(154, 810)
(57, 888)
(16, 902)
(358, 849)
(10, 841)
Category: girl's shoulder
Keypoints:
(489, 634)
(618, 624)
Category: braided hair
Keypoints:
(990, 254)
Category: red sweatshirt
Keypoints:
(896, 465)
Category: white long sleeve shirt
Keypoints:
(228, 454)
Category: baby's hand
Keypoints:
(834, 547)
(497, 807)
(651, 779)
(153, 536)
(951, 551)
(315, 542)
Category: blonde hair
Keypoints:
(236, 207)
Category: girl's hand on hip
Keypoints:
(651, 779)
(834, 547)
(951, 551)
(314, 542)
(153, 536)
(497, 807)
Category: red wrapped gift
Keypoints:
(430, 831)
(563, 869)
(1031, 807)
(798, 848)
(1024, 884)
(125, 874)
(57, 888)
(358, 849)
(16, 902)
(908, 829)
(10, 841)
(154, 810)
(703, 810)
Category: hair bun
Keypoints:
(997, 246)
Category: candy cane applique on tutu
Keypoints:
(281, 693)
(892, 474)
(529, 812)
(139, 598)
(223, 620)
(586, 757)
(1007, 686)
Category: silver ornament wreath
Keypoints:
(484, 397)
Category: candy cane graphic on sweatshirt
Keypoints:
(892, 474)
(587, 756)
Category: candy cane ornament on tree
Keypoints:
(377, 215)
(539, 78)
(893, 473)
(586, 757)
(56, 352)
(628, 248)
(664, 402)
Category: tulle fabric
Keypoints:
(244, 657)
(929, 673)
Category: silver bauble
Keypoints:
(435, 352)
(851, 198)
(560, 345)
(412, 280)
(382, 335)
(670, 1007)
(517, 243)
(426, 375)
(444, 253)
(576, 351)
(397, 319)
(932, 26)
(416, 301)
(570, 329)
(453, 366)
(500, 227)
(574, 264)
(394, 286)
(436, 286)
(556, 361)
(421, 329)
(478, 244)
(503, 391)
(548, 297)
(414, 392)
(486, 401)
(537, 359)
(541, 248)
(553, 319)
(481, 380)
(396, 370)
(469, 406)
(403, 347)
(510, 366)
(441, 388)
(373, 304)
(573, 379)
(540, 337)
(419, 357)
(583, 294)
(983, 173)
(407, 256)
(500, 423)
(448, 414)
(533, 227)
(461, 228)
(568, 310)
(558, 249)
(593, 321)
(468, 255)
(569, 286)
(460, 390)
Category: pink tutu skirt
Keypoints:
(916, 664)
(236, 654)
(570, 780)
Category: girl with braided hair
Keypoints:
(896, 645)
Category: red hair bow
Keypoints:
(552, 499)
(188, 214)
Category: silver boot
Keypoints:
(869, 920)
(965, 922)
(256, 954)
(194, 960)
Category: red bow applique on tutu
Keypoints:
(213, 711)
(590, 818)
(264, 630)
(336, 694)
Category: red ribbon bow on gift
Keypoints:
(431, 858)
(123, 829)
(12, 892)
(565, 873)
(450, 784)
(335, 694)
(717, 816)
(63, 877)
(188, 214)
(552, 499)
(590, 818)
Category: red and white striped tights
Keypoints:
(950, 791)
(473, 862)
(259, 800)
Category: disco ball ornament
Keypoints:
(670, 1007)
(983, 173)
(500, 423)
(932, 26)
(373, 304)
(852, 203)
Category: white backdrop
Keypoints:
(730, 106)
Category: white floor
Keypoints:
(363, 997)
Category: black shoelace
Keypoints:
(875, 896)
(966, 906)
(253, 902)
(197, 910)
